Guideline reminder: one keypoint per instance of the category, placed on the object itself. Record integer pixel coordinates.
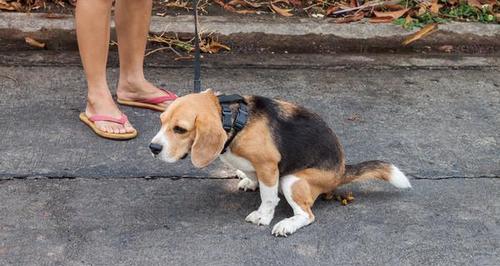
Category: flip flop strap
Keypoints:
(122, 120)
(156, 100)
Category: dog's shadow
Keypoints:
(219, 202)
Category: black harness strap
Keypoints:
(231, 126)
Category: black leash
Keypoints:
(232, 127)
(197, 63)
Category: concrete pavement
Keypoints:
(431, 123)
(201, 222)
(70, 198)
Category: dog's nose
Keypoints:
(155, 148)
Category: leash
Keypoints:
(231, 125)
(197, 63)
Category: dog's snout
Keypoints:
(155, 148)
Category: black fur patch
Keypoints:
(303, 139)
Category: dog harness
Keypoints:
(230, 125)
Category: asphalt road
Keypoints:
(70, 198)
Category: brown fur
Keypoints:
(256, 145)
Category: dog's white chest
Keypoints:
(236, 161)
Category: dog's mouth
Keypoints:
(184, 156)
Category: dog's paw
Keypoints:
(259, 218)
(248, 184)
(285, 227)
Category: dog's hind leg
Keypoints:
(299, 195)
(248, 181)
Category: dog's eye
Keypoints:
(179, 130)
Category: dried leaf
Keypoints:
(229, 8)
(214, 47)
(353, 3)
(246, 11)
(332, 9)
(381, 20)
(421, 33)
(282, 11)
(435, 6)
(220, 2)
(296, 3)
(344, 202)
(244, 3)
(475, 3)
(34, 42)
(351, 18)
(391, 14)
(6, 6)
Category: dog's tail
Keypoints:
(376, 170)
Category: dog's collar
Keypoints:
(239, 121)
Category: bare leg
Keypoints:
(132, 26)
(92, 28)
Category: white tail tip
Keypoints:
(398, 179)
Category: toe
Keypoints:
(129, 128)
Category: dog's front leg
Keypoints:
(268, 182)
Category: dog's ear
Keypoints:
(209, 141)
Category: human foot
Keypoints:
(141, 93)
(104, 105)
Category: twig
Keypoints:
(366, 6)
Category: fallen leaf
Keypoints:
(332, 9)
(421, 33)
(244, 3)
(296, 3)
(381, 20)
(214, 47)
(220, 2)
(246, 11)
(6, 6)
(230, 8)
(351, 18)
(475, 3)
(353, 3)
(34, 42)
(391, 14)
(282, 11)
(408, 19)
(435, 6)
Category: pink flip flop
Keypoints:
(151, 103)
(90, 121)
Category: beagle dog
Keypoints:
(283, 147)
